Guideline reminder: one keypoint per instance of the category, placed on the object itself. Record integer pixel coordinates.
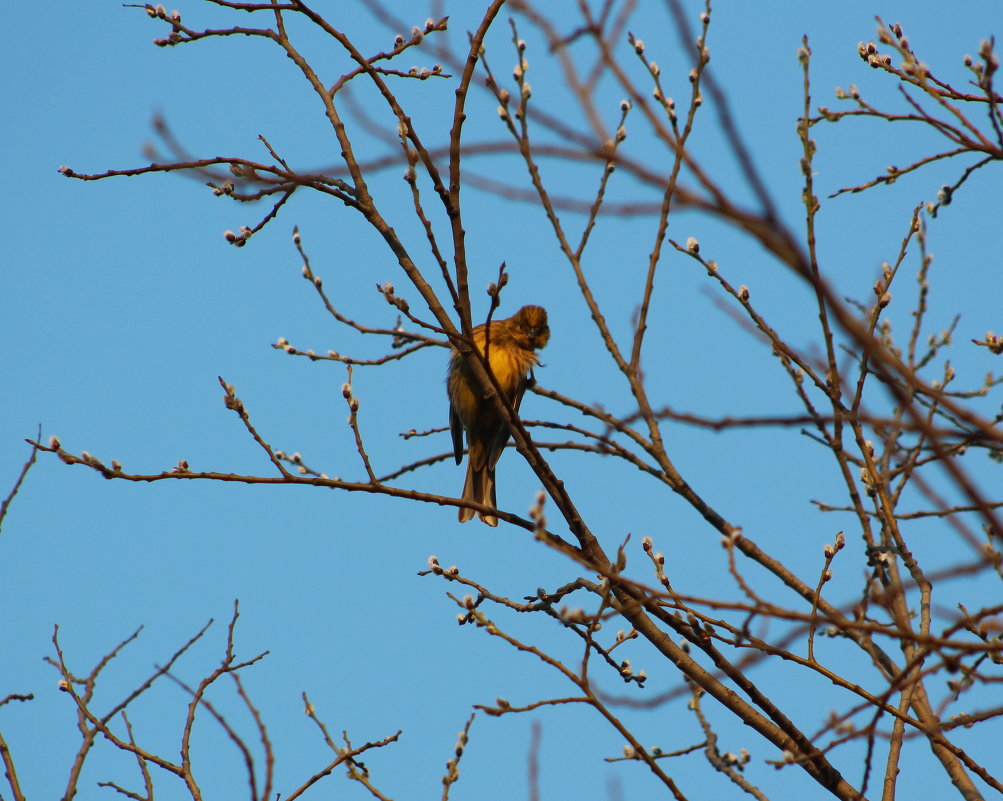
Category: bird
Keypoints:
(511, 346)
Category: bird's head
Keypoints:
(530, 329)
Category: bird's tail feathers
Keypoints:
(479, 487)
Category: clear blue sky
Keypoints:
(122, 303)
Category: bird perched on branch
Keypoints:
(510, 353)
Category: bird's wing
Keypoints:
(501, 435)
(456, 431)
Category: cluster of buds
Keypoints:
(853, 92)
(450, 572)
(159, 12)
(225, 188)
(732, 538)
(173, 38)
(387, 290)
(238, 240)
(418, 34)
(882, 284)
(283, 344)
(737, 761)
(867, 479)
(831, 550)
(297, 459)
(347, 394)
(461, 743)
(869, 53)
(536, 512)
(525, 89)
(628, 674)
(992, 341)
(996, 655)
(987, 66)
(307, 273)
(230, 399)
(495, 288)
(667, 102)
(424, 73)
(622, 637)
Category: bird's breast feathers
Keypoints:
(510, 365)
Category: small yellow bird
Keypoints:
(510, 354)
